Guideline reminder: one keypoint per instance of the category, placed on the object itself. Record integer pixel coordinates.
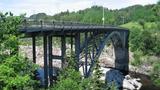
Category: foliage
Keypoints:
(144, 40)
(8, 34)
(16, 72)
(155, 74)
(38, 16)
(142, 22)
(156, 10)
(71, 79)
(110, 86)
(94, 15)
(137, 58)
(97, 83)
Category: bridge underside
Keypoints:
(87, 41)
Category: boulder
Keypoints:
(121, 81)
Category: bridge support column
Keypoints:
(50, 59)
(86, 54)
(45, 60)
(63, 49)
(71, 45)
(34, 48)
(77, 49)
(126, 36)
(122, 54)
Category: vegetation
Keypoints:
(71, 79)
(16, 71)
(144, 40)
(147, 13)
(156, 73)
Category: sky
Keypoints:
(52, 7)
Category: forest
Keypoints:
(17, 72)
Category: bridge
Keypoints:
(86, 40)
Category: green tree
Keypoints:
(142, 23)
(16, 71)
(70, 79)
(156, 10)
(155, 73)
(97, 83)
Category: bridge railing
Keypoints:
(51, 23)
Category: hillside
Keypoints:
(112, 17)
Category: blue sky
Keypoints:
(55, 6)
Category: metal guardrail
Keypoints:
(43, 23)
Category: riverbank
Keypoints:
(147, 83)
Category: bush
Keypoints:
(70, 79)
(16, 73)
(145, 41)
(137, 58)
(155, 74)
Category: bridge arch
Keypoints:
(118, 41)
(114, 41)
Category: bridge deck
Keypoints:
(67, 28)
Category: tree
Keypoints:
(156, 10)
(70, 79)
(16, 71)
(158, 2)
(142, 22)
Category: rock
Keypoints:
(131, 84)
(121, 81)
(116, 77)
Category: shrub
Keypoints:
(70, 79)
(155, 73)
(137, 58)
(16, 73)
(145, 41)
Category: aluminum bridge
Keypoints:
(86, 40)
